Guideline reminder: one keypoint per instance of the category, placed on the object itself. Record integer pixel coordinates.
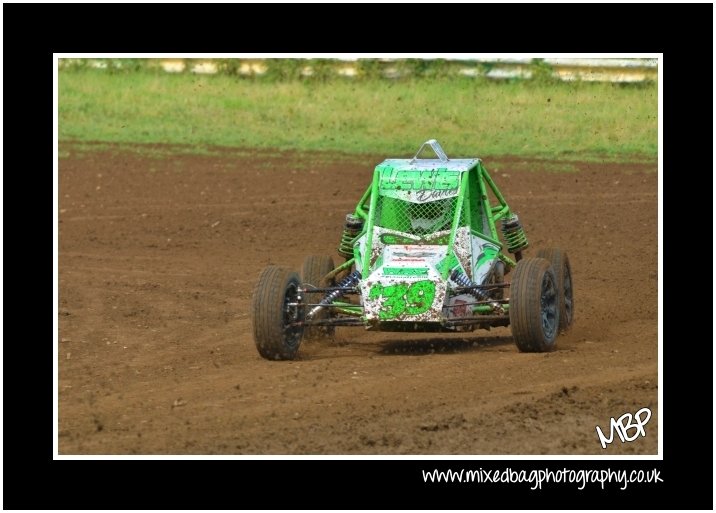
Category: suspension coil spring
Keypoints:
(352, 228)
(514, 234)
(462, 280)
(348, 281)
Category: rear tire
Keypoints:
(498, 276)
(271, 314)
(563, 272)
(534, 309)
(314, 270)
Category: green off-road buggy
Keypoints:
(422, 253)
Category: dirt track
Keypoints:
(158, 257)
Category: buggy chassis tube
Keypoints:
(371, 222)
(455, 222)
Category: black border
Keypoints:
(32, 480)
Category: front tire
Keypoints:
(534, 309)
(563, 272)
(272, 314)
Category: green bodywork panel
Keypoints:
(443, 196)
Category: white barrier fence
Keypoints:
(583, 69)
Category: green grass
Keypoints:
(469, 117)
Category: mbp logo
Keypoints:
(623, 425)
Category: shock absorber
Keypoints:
(351, 229)
(462, 280)
(330, 297)
(515, 237)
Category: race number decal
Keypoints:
(403, 298)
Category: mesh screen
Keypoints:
(415, 218)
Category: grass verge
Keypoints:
(470, 117)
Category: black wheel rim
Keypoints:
(290, 317)
(548, 306)
(568, 295)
